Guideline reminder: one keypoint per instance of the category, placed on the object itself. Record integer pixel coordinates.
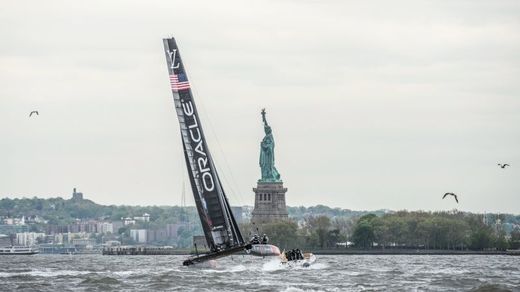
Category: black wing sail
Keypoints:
(218, 223)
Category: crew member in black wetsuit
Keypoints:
(294, 254)
(255, 239)
(288, 255)
(265, 239)
(299, 254)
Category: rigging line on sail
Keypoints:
(184, 214)
(233, 183)
(189, 200)
(220, 148)
(185, 217)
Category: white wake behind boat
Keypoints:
(308, 259)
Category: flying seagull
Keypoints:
(34, 112)
(503, 165)
(451, 194)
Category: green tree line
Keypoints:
(437, 230)
(310, 233)
(403, 229)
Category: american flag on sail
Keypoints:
(179, 82)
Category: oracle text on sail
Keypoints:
(196, 137)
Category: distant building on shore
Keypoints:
(28, 238)
(173, 229)
(139, 235)
(127, 221)
(14, 221)
(105, 227)
(133, 220)
(144, 218)
(83, 243)
(76, 196)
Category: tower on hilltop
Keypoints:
(77, 196)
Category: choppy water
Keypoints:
(245, 273)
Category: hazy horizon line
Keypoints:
(331, 207)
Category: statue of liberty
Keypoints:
(269, 172)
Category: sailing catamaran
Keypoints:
(220, 228)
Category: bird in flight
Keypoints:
(503, 165)
(451, 194)
(34, 112)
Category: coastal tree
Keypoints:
(501, 241)
(514, 242)
(363, 236)
(315, 231)
(282, 233)
(481, 237)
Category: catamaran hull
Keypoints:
(214, 255)
(264, 250)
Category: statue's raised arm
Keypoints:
(263, 117)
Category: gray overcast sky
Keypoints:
(380, 104)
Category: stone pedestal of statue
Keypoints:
(269, 202)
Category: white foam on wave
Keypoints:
(238, 268)
(292, 289)
(317, 266)
(45, 273)
(231, 269)
(124, 273)
(273, 265)
(449, 271)
(295, 289)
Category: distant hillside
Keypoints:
(319, 210)
(61, 211)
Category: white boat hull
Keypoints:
(19, 250)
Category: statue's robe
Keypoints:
(269, 172)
